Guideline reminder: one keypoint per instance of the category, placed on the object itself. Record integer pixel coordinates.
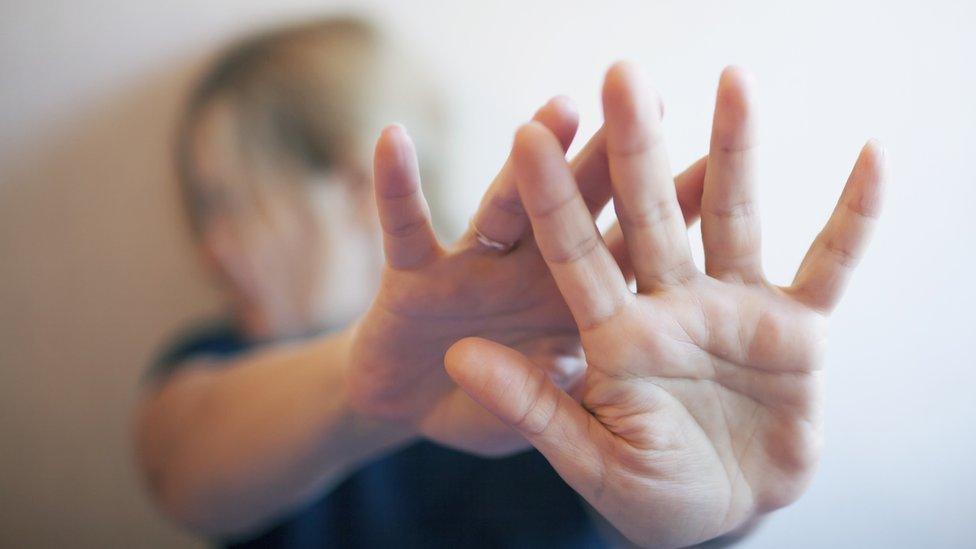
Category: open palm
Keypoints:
(700, 406)
(431, 297)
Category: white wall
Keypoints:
(95, 269)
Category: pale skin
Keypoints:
(227, 450)
(431, 297)
(666, 407)
(700, 408)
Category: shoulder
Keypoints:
(208, 339)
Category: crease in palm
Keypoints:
(430, 296)
(681, 411)
(700, 406)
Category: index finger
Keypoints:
(585, 271)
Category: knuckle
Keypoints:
(554, 208)
(539, 411)
(576, 251)
(677, 272)
(405, 228)
(639, 140)
(842, 254)
(862, 210)
(508, 203)
(745, 209)
(649, 216)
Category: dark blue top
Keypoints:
(424, 495)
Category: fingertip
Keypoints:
(875, 151)
(564, 103)
(872, 161)
(621, 72)
(486, 371)
(561, 117)
(616, 78)
(560, 105)
(542, 174)
(471, 357)
(535, 154)
(868, 179)
(458, 356)
(735, 87)
(617, 82)
(394, 155)
(632, 110)
(737, 76)
(388, 141)
(392, 135)
(624, 89)
(396, 129)
(530, 137)
(734, 91)
(528, 130)
(734, 126)
(394, 139)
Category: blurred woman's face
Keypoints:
(297, 252)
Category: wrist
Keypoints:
(364, 436)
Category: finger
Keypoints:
(643, 187)
(408, 237)
(509, 386)
(617, 247)
(730, 217)
(500, 216)
(592, 172)
(831, 259)
(459, 422)
(584, 270)
(688, 187)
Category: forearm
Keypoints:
(226, 450)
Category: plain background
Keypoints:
(96, 269)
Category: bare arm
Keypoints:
(700, 409)
(228, 449)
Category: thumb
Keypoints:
(522, 396)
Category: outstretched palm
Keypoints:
(431, 297)
(700, 405)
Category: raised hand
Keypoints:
(490, 284)
(700, 406)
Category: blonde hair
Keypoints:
(313, 95)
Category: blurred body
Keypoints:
(682, 412)
(274, 167)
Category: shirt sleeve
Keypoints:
(211, 340)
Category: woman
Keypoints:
(274, 167)
(696, 412)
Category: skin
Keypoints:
(695, 411)
(700, 407)
(430, 296)
(228, 447)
